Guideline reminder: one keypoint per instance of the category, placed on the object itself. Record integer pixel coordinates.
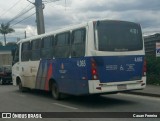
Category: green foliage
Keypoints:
(5, 29)
(153, 70)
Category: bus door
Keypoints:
(25, 64)
(30, 56)
(25, 73)
(34, 61)
(33, 68)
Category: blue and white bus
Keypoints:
(96, 57)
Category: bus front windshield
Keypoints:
(118, 36)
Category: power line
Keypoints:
(51, 1)
(24, 9)
(20, 14)
(9, 9)
(23, 19)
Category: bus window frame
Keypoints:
(82, 42)
(36, 49)
(47, 48)
(27, 50)
(64, 45)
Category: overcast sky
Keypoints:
(60, 13)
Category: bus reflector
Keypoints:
(99, 88)
(94, 70)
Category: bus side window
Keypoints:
(46, 45)
(78, 42)
(62, 45)
(25, 55)
(35, 47)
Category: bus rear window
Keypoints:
(118, 36)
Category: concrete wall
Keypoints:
(5, 58)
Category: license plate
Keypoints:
(122, 87)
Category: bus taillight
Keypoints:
(94, 70)
(144, 68)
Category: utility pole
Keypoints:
(25, 34)
(39, 16)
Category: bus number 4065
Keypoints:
(81, 63)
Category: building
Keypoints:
(150, 44)
(5, 55)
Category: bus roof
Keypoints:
(66, 29)
(54, 32)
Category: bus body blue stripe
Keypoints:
(72, 74)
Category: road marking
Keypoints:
(66, 106)
(21, 95)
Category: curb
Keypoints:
(143, 94)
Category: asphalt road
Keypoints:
(11, 100)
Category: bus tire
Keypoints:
(21, 88)
(55, 91)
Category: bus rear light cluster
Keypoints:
(94, 70)
(144, 68)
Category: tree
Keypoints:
(5, 29)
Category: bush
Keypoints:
(153, 70)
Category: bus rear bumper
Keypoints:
(96, 87)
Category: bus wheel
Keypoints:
(21, 88)
(55, 91)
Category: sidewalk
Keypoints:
(150, 90)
